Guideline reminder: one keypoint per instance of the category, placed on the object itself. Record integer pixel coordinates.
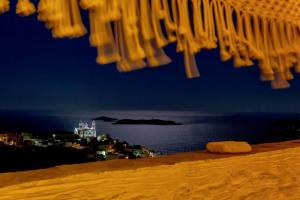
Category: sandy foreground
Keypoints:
(272, 171)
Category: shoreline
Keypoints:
(13, 178)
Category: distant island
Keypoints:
(136, 121)
(106, 119)
(146, 121)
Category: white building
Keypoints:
(84, 131)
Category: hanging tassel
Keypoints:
(203, 25)
(236, 37)
(105, 41)
(249, 37)
(101, 15)
(157, 15)
(243, 46)
(62, 17)
(200, 27)
(25, 8)
(219, 17)
(4, 6)
(49, 13)
(279, 82)
(155, 55)
(127, 37)
(168, 21)
(125, 64)
(211, 27)
(131, 31)
(190, 46)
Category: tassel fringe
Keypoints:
(133, 33)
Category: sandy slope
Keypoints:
(268, 175)
(14, 178)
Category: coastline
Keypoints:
(14, 178)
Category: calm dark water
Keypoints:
(196, 130)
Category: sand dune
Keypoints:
(268, 175)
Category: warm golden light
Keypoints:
(133, 33)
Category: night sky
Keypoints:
(39, 72)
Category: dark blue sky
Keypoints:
(42, 73)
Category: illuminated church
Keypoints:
(84, 131)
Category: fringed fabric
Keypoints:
(133, 33)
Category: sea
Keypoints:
(196, 129)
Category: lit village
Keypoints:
(66, 147)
